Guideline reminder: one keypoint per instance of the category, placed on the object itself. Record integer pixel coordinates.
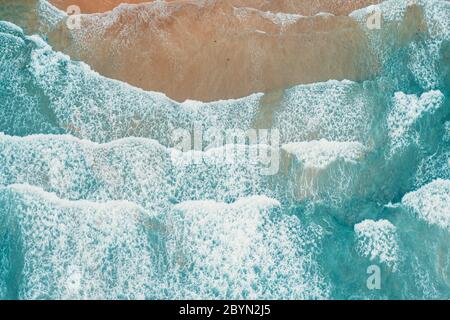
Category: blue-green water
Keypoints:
(96, 203)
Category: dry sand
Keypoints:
(305, 7)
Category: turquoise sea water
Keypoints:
(96, 203)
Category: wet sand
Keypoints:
(217, 50)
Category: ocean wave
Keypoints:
(56, 95)
(377, 241)
(431, 203)
(67, 247)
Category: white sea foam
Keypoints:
(49, 15)
(421, 58)
(283, 19)
(278, 18)
(431, 203)
(241, 250)
(137, 169)
(377, 240)
(320, 154)
(333, 110)
(407, 110)
(67, 247)
(204, 249)
(324, 170)
(433, 167)
(10, 28)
